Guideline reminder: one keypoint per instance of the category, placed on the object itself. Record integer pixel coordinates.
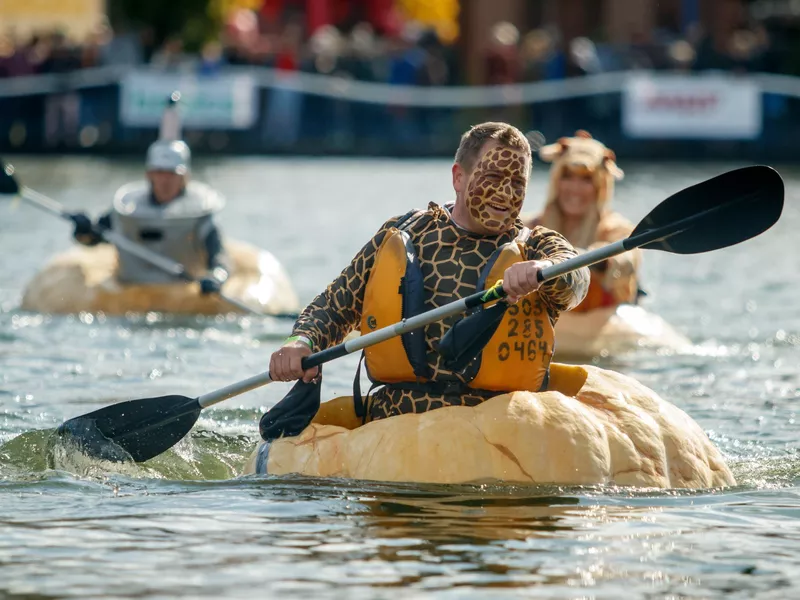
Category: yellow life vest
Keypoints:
(394, 291)
(517, 356)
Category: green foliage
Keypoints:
(191, 20)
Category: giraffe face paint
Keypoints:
(496, 188)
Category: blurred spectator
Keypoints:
(540, 57)
(239, 37)
(289, 48)
(405, 56)
(645, 53)
(734, 43)
(325, 52)
(405, 62)
(743, 50)
(682, 56)
(171, 57)
(434, 70)
(123, 47)
(61, 57)
(91, 52)
(502, 55)
(362, 53)
(15, 59)
(61, 110)
(329, 118)
(211, 59)
(584, 58)
(282, 121)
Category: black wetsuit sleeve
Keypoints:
(212, 243)
(104, 222)
(87, 237)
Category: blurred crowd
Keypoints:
(542, 54)
(54, 52)
(414, 56)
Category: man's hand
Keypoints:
(521, 279)
(210, 285)
(84, 231)
(285, 363)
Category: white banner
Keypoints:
(223, 101)
(694, 107)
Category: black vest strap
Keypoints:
(361, 404)
(412, 290)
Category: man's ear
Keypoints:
(459, 178)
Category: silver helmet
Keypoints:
(170, 153)
(173, 156)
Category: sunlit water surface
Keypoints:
(184, 525)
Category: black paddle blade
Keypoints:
(468, 337)
(717, 213)
(293, 413)
(139, 429)
(8, 185)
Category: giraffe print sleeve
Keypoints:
(615, 227)
(336, 312)
(565, 292)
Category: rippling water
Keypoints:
(184, 525)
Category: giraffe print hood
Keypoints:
(586, 154)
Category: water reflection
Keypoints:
(466, 519)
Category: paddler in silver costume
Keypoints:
(168, 214)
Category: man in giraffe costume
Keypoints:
(427, 258)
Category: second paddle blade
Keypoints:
(139, 429)
(725, 210)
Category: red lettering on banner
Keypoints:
(685, 103)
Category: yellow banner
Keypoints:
(224, 8)
(440, 14)
(76, 18)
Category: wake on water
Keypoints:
(209, 456)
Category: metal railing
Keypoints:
(259, 110)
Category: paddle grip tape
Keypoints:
(300, 338)
(496, 292)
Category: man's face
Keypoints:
(495, 190)
(166, 185)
